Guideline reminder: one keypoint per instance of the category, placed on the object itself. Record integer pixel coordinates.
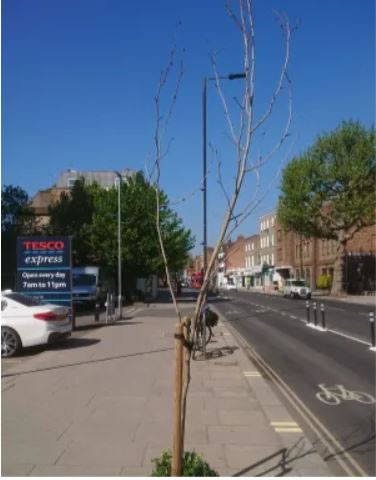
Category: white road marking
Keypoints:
(293, 317)
(335, 394)
(332, 444)
(336, 332)
(252, 374)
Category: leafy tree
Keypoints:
(17, 219)
(90, 214)
(329, 190)
(17, 215)
(71, 215)
(140, 249)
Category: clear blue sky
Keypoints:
(79, 78)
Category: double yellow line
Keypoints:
(351, 466)
(337, 451)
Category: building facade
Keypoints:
(310, 258)
(44, 198)
(234, 259)
(253, 266)
(268, 239)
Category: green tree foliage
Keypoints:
(72, 215)
(17, 219)
(90, 214)
(329, 190)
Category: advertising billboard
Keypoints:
(44, 267)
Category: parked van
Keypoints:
(296, 289)
(86, 288)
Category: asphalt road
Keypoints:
(300, 359)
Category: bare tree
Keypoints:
(245, 164)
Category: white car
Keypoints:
(230, 286)
(25, 322)
(296, 289)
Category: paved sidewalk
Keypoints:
(101, 404)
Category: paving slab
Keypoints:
(102, 405)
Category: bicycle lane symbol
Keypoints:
(335, 394)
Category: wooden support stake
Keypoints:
(186, 377)
(176, 439)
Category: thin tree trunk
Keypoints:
(339, 268)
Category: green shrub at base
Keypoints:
(193, 466)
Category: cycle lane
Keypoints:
(305, 358)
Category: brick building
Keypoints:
(309, 258)
(44, 198)
(234, 259)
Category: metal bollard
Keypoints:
(315, 313)
(308, 312)
(113, 304)
(96, 312)
(372, 325)
(323, 316)
(108, 306)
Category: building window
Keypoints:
(279, 235)
(272, 263)
(70, 181)
(272, 221)
(272, 239)
(323, 248)
(308, 277)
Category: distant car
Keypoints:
(26, 321)
(230, 286)
(296, 289)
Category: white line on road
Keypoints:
(336, 332)
(330, 442)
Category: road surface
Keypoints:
(327, 377)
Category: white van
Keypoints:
(296, 289)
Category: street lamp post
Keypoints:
(230, 76)
(119, 247)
